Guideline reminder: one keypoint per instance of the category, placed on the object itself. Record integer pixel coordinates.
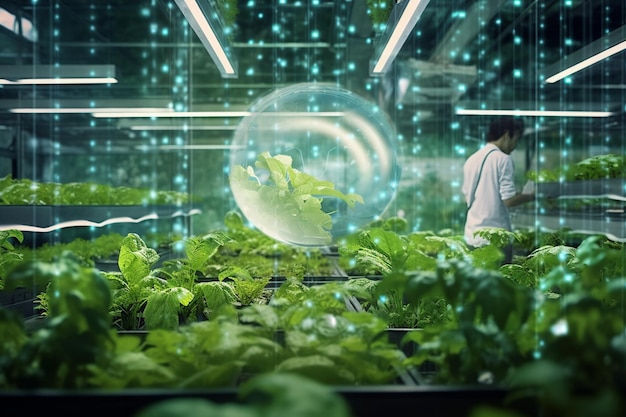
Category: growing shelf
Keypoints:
(614, 189)
(611, 224)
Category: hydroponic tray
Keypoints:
(44, 219)
(613, 188)
(611, 226)
(363, 401)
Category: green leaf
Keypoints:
(216, 293)
(317, 367)
(292, 198)
(200, 250)
(136, 259)
(162, 307)
(263, 315)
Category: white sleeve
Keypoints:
(507, 185)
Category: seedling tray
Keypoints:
(613, 188)
(613, 226)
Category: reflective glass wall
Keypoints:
(153, 108)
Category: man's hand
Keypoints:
(529, 188)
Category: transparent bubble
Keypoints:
(312, 163)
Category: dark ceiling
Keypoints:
(462, 53)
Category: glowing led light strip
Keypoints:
(181, 127)
(410, 15)
(76, 223)
(59, 81)
(203, 29)
(538, 113)
(192, 147)
(146, 111)
(166, 114)
(57, 74)
(161, 114)
(587, 62)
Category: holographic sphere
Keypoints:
(313, 162)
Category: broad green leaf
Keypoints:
(162, 307)
(136, 259)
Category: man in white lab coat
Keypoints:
(488, 182)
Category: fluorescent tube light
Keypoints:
(593, 53)
(182, 127)
(51, 110)
(188, 147)
(171, 114)
(404, 16)
(65, 81)
(533, 113)
(204, 21)
(56, 74)
(160, 113)
(587, 62)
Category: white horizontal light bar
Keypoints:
(409, 16)
(146, 111)
(58, 74)
(59, 81)
(200, 114)
(160, 113)
(587, 62)
(188, 147)
(537, 113)
(181, 127)
(200, 23)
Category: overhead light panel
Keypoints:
(593, 53)
(205, 21)
(403, 18)
(57, 74)
(532, 113)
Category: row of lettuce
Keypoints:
(233, 303)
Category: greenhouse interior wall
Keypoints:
(201, 197)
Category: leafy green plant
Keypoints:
(481, 340)
(380, 249)
(580, 341)
(595, 167)
(8, 256)
(88, 251)
(164, 297)
(25, 191)
(261, 255)
(76, 334)
(299, 195)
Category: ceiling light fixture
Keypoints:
(200, 114)
(160, 113)
(403, 18)
(57, 74)
(147, 111)
(182, 127)
(206, 23)
(188, 147)
(533, 113)
(593, 53)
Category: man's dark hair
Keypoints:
(504, 124)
